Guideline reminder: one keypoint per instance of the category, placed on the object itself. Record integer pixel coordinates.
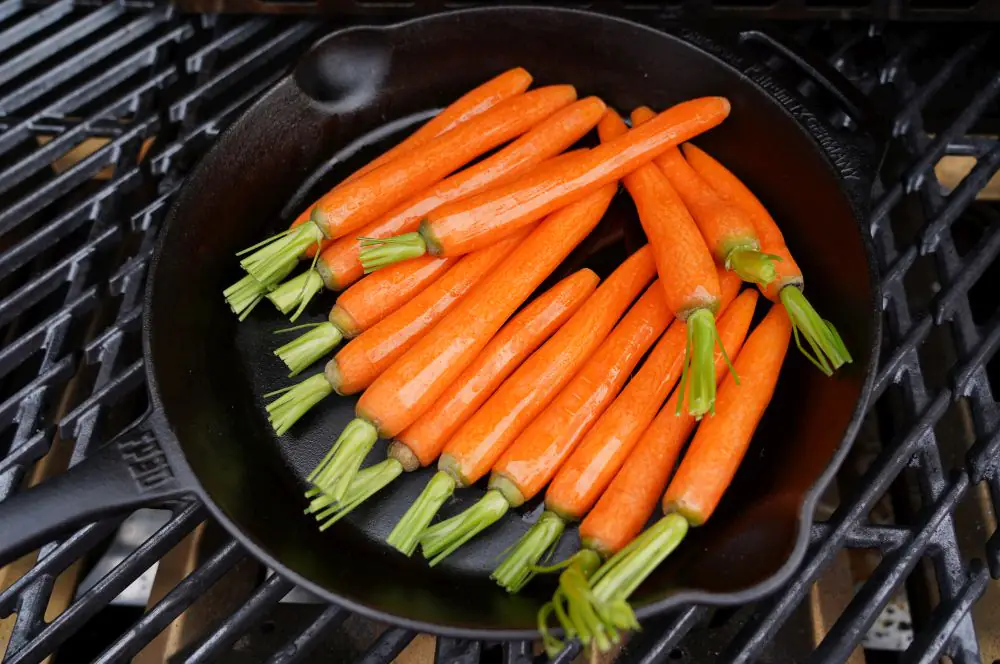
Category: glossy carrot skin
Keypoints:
(366, 356)
(475, 102)
(339, 264)
(683, 260)
(476, 446)
(520, 337)
(732, 190)
(537, 454)
(418, 379)
(370, 300)
(479, 220)
(351, 206)
(628, 502)
(721, 442)
(589, 470)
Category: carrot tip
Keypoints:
(365, 484)
(277, 258)
(379, 253)
(406, 535)
(443, 539)
(521, 565)
(296, 401)
(299, 353)
(826, 349)
(244, 295)
(296, 293)
(335, 474)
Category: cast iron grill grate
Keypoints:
(104, 109)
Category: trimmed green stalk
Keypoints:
(299, 353)
(441, 540)
(520, 565)
(334, 474)
(246, 293)
(570, 603)
(295, 294)
(828, 350)
(383, 252)
(698, 373)
(406, 535)
(295, 401)
(753, 266)
(269, 258)
(365, 484)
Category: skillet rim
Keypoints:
(789, 104)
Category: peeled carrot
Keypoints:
(422, 441)
(365, 199)
(587, 472)
(360, 307)
(629, 501)
(538, 451)
(704, 474)
(344, 262)
(828, 351)
(414, 382)
(477, 221)
(685, 266)
(478, 443)
(548, 138)
(358, 363)
(244, 295)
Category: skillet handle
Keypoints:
(130, 471)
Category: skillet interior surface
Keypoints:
(358, 92)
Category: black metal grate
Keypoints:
(141, 91)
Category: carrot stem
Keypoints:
(621, 575)
(244, 295)
(296, 293)
(270, 263)
(753, 266)
(406, 535)
(572, 581)
(307, 348)
(296, 401)
(823, 339)
(699, 372)
(365, 484)
(383, 252)
(336, 473)
(441, 540)
(521, 563)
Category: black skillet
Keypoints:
(207, 434)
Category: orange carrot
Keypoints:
(728, 232)
(360, 307)
(415, 381)
(828, 351)
(423, 440)
(477, 221)
(340, 264)
(597, 612)
(685, 266)
(717, 449)
(363, 200)
(474, 102)
(538, 451)
(587, 472)
(358, 363)
(478, 443)
(629, 501)
(707, 469)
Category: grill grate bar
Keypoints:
(388, 645)
(301, 646)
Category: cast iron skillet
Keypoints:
(207, 434)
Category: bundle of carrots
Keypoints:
(458, 365)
